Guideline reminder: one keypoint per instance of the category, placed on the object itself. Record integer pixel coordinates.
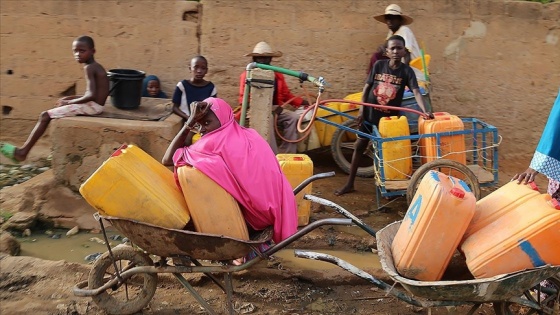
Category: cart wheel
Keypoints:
(342, 148)
(546, 294)
(445, 166)
(128, 297)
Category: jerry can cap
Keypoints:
(534, 186)
(457, 192)
(555, 204)
(120, 150)
(298, 158)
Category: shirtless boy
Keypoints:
(89, 104)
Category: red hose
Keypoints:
(315, 107)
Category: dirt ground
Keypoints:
(34, 286)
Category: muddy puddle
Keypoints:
(83, 247)
(73, 248)
(361, 260)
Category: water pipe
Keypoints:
(424, 66)
(319, 82)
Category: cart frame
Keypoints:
(482, 153)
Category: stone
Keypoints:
(9, 244)
(26, 233)
(92, 257)
(20, 221)
(73, 231)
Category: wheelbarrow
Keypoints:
(124, 279)
(532, 291)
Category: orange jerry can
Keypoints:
(133, 185)
(508, 198)
(526, 238)
(213, 210)
(433, 227)
(397, 155)
(297, 168)
(451, 147)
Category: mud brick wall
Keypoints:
(37, 65)
(493, 59)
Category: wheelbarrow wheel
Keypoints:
(449, 167)
(546, 294)
(134, 293)
(342, 149)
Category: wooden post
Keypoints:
(261, 105)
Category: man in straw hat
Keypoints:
(263, 53)
(396, 22)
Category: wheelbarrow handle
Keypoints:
(315, 177)
(342, 211)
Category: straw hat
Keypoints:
(262, 49)
(394, 9)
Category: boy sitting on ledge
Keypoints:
(89, 104)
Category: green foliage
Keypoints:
(5, 215)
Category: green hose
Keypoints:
(320, 82)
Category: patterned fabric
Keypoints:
(546, 165)
(554, 189)
(87, 109)
(546, 159)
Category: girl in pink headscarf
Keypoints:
(241, 161)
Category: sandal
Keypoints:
(8, 151)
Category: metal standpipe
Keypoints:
(319, 82)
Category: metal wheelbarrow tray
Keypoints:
(537, 290)
(124, 279)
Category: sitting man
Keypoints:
(263, 53)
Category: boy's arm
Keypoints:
(180, 140)
(176, 100)
(177, 111)
(412, 84)
(419, 100)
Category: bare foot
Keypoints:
(344, 190)
(238, 261)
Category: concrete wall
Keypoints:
(494, 59)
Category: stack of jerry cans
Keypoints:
(451, 147)
(516, 229)
(433, 226)
(297, 168)
(133, 185)
(397, 155)
(213, 210)
(505, 199)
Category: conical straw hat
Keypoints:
(394, 9)
(263, 49)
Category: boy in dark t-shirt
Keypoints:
(193, 89)
(385, 86)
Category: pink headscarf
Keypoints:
(242, 162)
